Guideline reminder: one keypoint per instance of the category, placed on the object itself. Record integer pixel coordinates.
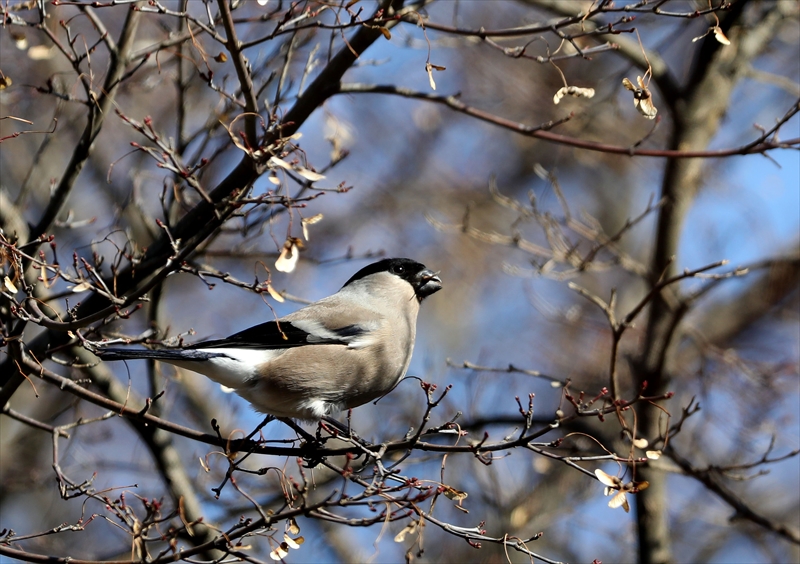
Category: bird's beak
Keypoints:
(428, 282)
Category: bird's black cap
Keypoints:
(424, 281)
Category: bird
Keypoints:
(338, 353)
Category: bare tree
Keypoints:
(597, 333)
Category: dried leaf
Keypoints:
(452, 493)
(43, 275)
(274, 293)
(20, 40)
(40, 52)
(234, 137)
(10, 285)
(262, 2)
(82, 287)
(279, 553)
(5, 82)
(407, 530)
(653, 454)
(607, 479)
(226, 389)
(642, 98)
(628, 84)
(306, 221)
(541, 464)
(290, 542)
(287, 261)
(641, 443)
(720, 36)
(385, 32)
(276, 162)
(221, 58)
(575, 91)
(619, 500)
(339, 134)
(309, 174)
(293, 527)
(313, 219)
(182, 514)
(646, 108)
(555, 384)
(429, 70)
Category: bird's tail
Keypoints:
(168, 355)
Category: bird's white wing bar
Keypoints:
(354, 336)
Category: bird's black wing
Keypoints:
(157, 354)
(283, 335)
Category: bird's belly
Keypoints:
(331, 382)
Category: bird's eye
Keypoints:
(399, 269)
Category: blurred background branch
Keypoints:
(611, 200)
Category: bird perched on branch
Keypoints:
(340, 352)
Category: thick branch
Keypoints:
(697, 121)
(99, 109)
